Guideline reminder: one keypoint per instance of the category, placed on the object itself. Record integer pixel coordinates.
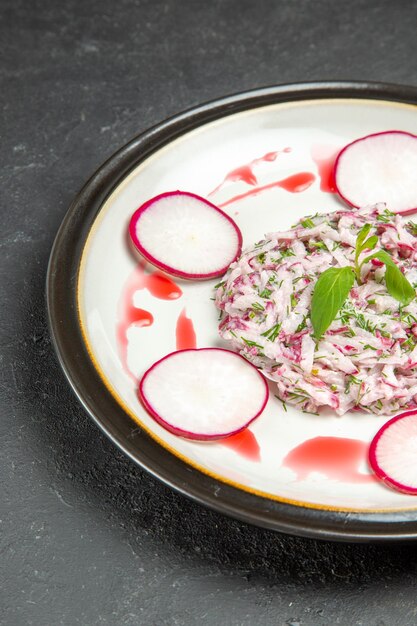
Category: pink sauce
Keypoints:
(159, 285)
(244, 443)
(185, 333)
(294, 184)
(246, 172)
(324, 157)
(139, 317)
(335, 457)
(162, 287)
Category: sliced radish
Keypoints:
(185, 235)
(204, 394)
(379, 168)
(393, 453)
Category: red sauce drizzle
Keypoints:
(162, 287)
(297, 182)
(139, 317)
(246, 172)
(244, 443)
(159, 285)
(324, 156)
(294, 184)
(335, 457)
(185, 333)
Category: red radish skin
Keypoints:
(380, 472)
(200, 436)
(133, 226)
(338, 165)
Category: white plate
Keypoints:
(311, 462)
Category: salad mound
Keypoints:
(367, 357)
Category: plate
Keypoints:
(265, 157)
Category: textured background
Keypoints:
(86, 537)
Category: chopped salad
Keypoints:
(367, 357)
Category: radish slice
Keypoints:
(393, 453)
(204, 394)
(185, 235)
(379, 168)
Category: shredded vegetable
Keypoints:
(367, 357)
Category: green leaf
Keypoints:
(330, 292)
(370, 243)
(360, 239)
(381, 255)
(397, 285)
(362, 235)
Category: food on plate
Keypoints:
(360, 350)
(185, 235)
(203, 394)
(393, 452)
(379, 168)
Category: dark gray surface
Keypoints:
(87, 537)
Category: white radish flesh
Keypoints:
(204, 394)
(185, 235)
(393, 453)
(379, 168)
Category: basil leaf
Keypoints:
(370, 243)
(364, 244)
(330, 292)
(397, 285)
(362, 235)
(381, 255)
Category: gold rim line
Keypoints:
(83, 326)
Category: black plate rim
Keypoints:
(61, 293)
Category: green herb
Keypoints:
(397, 285)
(261, 257)
(287, 252)
(412, 227)
(410, 343)
(223, 282)
(301, 325)
(258, 307)
(251, 344)
(352, 381)
(317, 244)
(333, 286)
(265, 293)
(385, 217)
(273, 332)
(330, 292)
(307, 223)
(361, 321)
(362, 243)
